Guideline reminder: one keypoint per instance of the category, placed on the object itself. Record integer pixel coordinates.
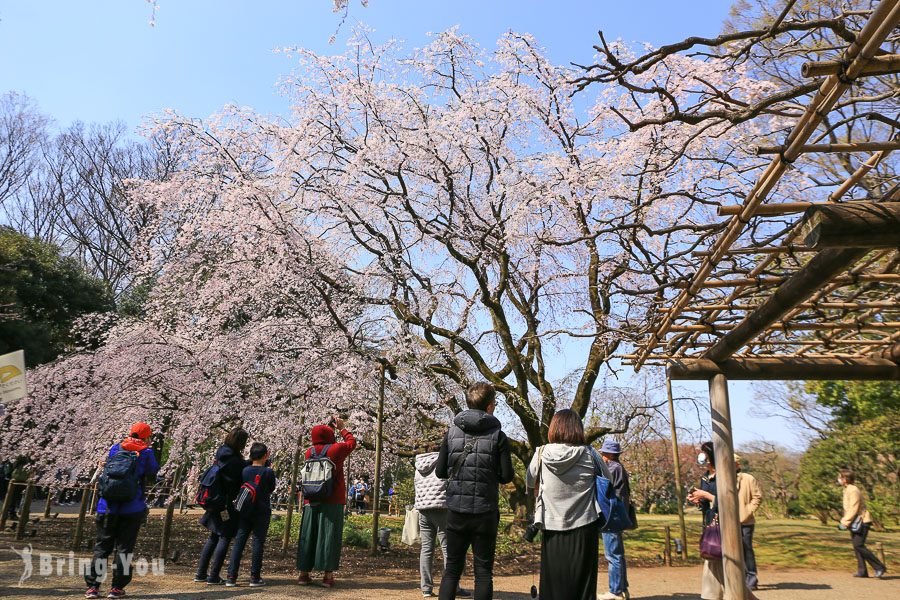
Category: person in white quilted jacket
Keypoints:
(431, 502)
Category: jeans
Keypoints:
(614, 550)
(115, 533)
(215, 550)
(480, 532)
(749, 556)
(258, 525)
(432, 524)
(863, 554)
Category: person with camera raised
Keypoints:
(562, 474)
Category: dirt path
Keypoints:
(646, 584)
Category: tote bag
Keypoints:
(411, 534)
(711, 541)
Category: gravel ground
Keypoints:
(646, 583)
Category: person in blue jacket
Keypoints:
(118, 523)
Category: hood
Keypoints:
(426, 463)
(476, 422)
(225, 453)
(559, 458)
(133, 444)
(322, 434)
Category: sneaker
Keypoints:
(861, 575)
(611, 596)
(328, 582)
(257, 582)
(230, 582)
(879, 573)
(116, 593)
(198, 579)
(463, 593)
(304, 580)
(92, 592)
(217, 581)
(428, 594)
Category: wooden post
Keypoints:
(668, 551)
(79, 524)
(879, 550)
(7, 500)
(94, 499)
(25, 513)
(170, 514)
(295, 469)
(679, 487)
(726, 490)
(48, 504)
(376, 494)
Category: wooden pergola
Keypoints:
(817, 300)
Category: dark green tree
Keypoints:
(42, 293)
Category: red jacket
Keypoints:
(321, 436)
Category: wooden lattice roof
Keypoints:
(819, 299)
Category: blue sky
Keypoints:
(99, 60)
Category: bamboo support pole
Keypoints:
(879, 25)
(7, 500)
(376, 493)
(25, 512)
(726, 489)
(170, 515)
(48, 503)
(878, 65)
(94, 499)
(805, 305)
(777, 280)
(79, 524)
(831, 148)
(792, 248)
(879, 550)
(679, 489)
(667, 551)
(788, 326)
(767, 210)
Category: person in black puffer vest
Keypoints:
(475, 459)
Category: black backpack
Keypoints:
(211, 495)
(245, 502)
(119, 481)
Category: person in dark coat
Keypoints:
(613, 542)
(118, 523)
(474, 458)
(222, 525)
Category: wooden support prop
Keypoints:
(25, 512)
(791, 248)
(7, 500)
(823, 267)
(853, 225)
(805, 305)
(786, 368)
(679, 489)
(877, 65)
(891, 353)
(879, 550)
(170, 515)
(844, 325)
(777, 280)
(79, 524)
(763, 210)
(726, 489)
(376, 493)
(831, 148)
(292, 500)
(94, 499)
(48, 503)
(667, 551)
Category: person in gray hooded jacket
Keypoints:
(431, 502)
(563, 475)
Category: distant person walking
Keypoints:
(122, 509)
(431, 502)
(614, 542)
(563, 474)
(322, 528)
(475, 459)
(259, 480)
(857, 519)
(221, 520)
(749, 498)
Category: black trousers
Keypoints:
(258, 525)
(115, 533)
(214, 552)
(863, 554)
(749, 556)
(480, 532)
(569, 561)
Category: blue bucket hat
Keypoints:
(611, 447)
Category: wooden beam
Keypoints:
(788, 368)
(789, 326)
(805, 305)
(853, 225)
(823, 267)
(877, 65)
(831, 148)
(783, 208)
(778, 280)
(891, 353)
(756, 250)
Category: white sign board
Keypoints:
(12, 376)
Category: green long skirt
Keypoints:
(321, 537)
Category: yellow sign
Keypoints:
(7, 372)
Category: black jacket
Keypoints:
(475, 459)
(231, 465)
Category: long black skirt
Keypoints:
(569, 564)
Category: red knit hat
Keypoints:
(141, 430)
(322, 434)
